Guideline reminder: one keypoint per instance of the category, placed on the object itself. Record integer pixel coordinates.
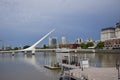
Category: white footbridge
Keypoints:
(32, 48)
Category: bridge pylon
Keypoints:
(32, 48)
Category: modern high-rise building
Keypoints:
(52, 42)
(64, 40)
(79, 40)
(89, 39)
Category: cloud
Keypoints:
(66, 16)
(59, 7)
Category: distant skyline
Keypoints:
(23, 22)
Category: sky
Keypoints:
(23, 22)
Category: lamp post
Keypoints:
(118, 68)
(2, 44)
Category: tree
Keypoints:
(83, 45)
(100, 45)
(86, 45)
(26, 46)
(15, 48)
(44, 46)
(89, 44)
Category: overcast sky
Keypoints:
(26, 21)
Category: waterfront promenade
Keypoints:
(70, 51)
(92, 73)
(101, 73)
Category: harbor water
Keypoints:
(31, 67)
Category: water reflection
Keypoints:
(31, 67)
(27, 67)
(38, 63)
(95, 59)
(30, 59)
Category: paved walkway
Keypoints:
(95, 73)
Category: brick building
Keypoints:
(70, 45)
(112, 44)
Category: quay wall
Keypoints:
(96, 51)
(107, 51)
(71, 51)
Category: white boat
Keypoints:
(62, 50)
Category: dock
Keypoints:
(51, 67)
